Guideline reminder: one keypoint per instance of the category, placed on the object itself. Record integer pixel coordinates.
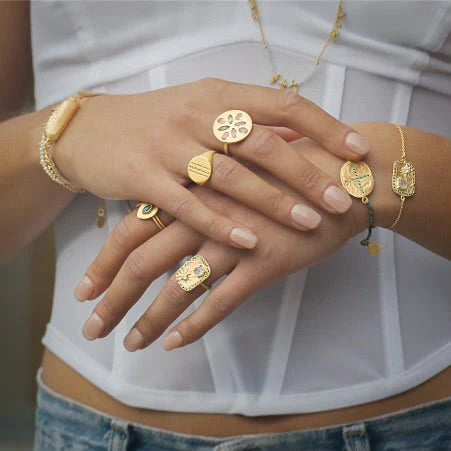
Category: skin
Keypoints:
(126, 264)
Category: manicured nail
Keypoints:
(357, 143)
(305, 217)
(337, 199)
(84, 290)
(94, 327)
(172, 341)
(134, 340)
(243, 237)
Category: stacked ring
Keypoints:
(193, 273)
(149, 211)
(232, 126)
(200, 167)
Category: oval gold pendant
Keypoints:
(232, 126)
(146, 211)
(357, 178)
(200, 167)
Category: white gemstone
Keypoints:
(199, 271)
(402, 183)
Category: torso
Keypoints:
(63, 379)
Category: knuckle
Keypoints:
(106, 310)
(181, 206)
(225, 170)
(288, 101)
(277, 200)
(265, 142)
(121, 234)
(174, 293)
(135, 265)
(311, 177)
(219, 304)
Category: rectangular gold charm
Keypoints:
(60, 117)
(403, 180)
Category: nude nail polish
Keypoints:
(134, 340)
(337, 199)
(84, 290)
(172, 341)
(305, 217)
(94, 327)
(243, 237)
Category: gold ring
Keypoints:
(200, 167)
(193, 273)
(232, 126)
(149, 211)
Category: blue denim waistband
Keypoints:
(63, 424)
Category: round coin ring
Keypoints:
(231, 127)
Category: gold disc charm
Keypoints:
(232, 126)
(357, 178)
(200, 167)
(374, 248)
(193, 273)
(146, 211)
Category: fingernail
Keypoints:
(357, 143)
(337, 199)
(84, 290)
(243, 237)
(94, 327)
(172, 341)
(134, 340)
(305, 216)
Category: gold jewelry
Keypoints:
(357, 179)
(149, 211)
(232, 126)
(53, 128)
(193, 273)
(403, 179)
(200, 167)
(276, 77)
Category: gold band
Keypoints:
(193, 273)
(403, 179)
(232, 126)
(149, 211)
(200, 167)
(53, 128)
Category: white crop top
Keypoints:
(349, 330)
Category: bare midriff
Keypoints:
(64, 380)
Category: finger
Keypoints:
(181, 203)
(173, 300)
(285, 133)
(268, 106)
(232, 178)
(271, 152)
(144, 264)
(126, 236)
(225, 298)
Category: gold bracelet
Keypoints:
(403, 179)
(53, 128)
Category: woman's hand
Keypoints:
(138, 147)
(127, 263)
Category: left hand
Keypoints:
(127, 264)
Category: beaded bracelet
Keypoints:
(53, 128)
(357, 179)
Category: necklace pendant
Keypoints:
(283, 85)
(294, 86)
(274, 78)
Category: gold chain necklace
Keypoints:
(276, 77)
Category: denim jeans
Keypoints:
(63, 424)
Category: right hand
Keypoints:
(137, 146)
